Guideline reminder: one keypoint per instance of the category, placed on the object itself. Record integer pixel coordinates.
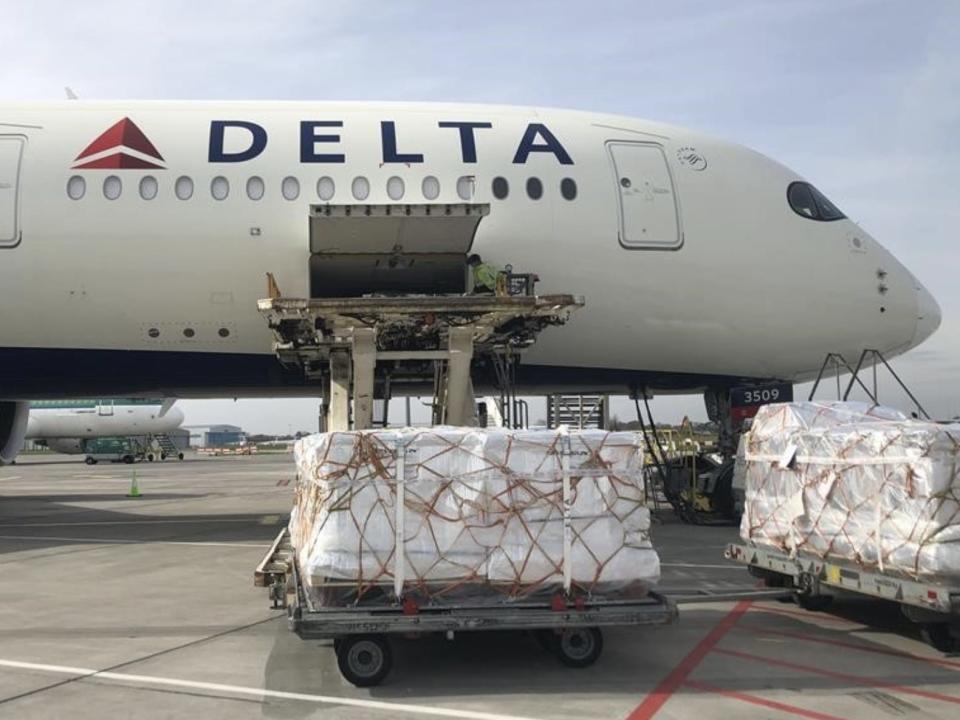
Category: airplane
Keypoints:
(65, 425)
(134, 239)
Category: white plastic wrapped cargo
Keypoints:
(852, 482)
(483, 513)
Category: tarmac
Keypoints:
(112, 606)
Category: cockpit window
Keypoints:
(809, 202)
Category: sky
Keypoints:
(861, 97)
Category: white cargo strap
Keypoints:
(565, 452)
(878, 537)
(399, 556)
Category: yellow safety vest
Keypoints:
(484, 277)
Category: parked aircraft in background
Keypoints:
(134, 238)
(65, 425)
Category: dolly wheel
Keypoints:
(813, 603)
(939, 637)
(364, 660)
(579, 647)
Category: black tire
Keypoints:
(364, 660)
(579, 647)
(128, 459)
(90, 461)
(163, 456)
(149, 457)
(179, 456)
(939, 637)
(722, 498)
(813, 603)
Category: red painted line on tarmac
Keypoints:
(853, 646)
(671, 683)
(805, 614)
(762, 702)
(846, 677)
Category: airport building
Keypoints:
(213, 436)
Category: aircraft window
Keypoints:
(189, 332)
(465, 187)
(534, 188)
(255, 188)
(808, 202)
(360, 188)
(430, 187)
(76, 187)
(326, 188)
(220, 188)
(148, 187)
(395, 188)
(290, 188)
(828, 211)
(112, 187)
(501, 188)
(568, 188)
(184, 188)
(223, 332)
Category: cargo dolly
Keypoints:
(570, 628)
(934, 607)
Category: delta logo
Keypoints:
(122, 146)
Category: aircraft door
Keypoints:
(11, 150)
(105, 408)
(646, 199)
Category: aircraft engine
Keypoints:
(13, 428)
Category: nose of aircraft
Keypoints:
(928, 315)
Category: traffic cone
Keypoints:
(134, 487)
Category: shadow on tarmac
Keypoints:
(634, 661)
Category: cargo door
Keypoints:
(11, 150)
(646, 200)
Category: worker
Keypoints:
(484, 275)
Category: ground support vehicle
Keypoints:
(934, 607)
(111, 449)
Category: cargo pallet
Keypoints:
(568, 627)
(934, 607)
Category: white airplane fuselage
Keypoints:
(107, 418)
(693, 264)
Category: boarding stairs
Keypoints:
(168, 449)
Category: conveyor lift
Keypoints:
(381, 318)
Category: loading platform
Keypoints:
(374, 315)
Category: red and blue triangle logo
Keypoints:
(122, 137)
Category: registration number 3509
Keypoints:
(762, 395)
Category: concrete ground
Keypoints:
(119, 607)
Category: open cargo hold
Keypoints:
(445, 514)
(855, 483)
